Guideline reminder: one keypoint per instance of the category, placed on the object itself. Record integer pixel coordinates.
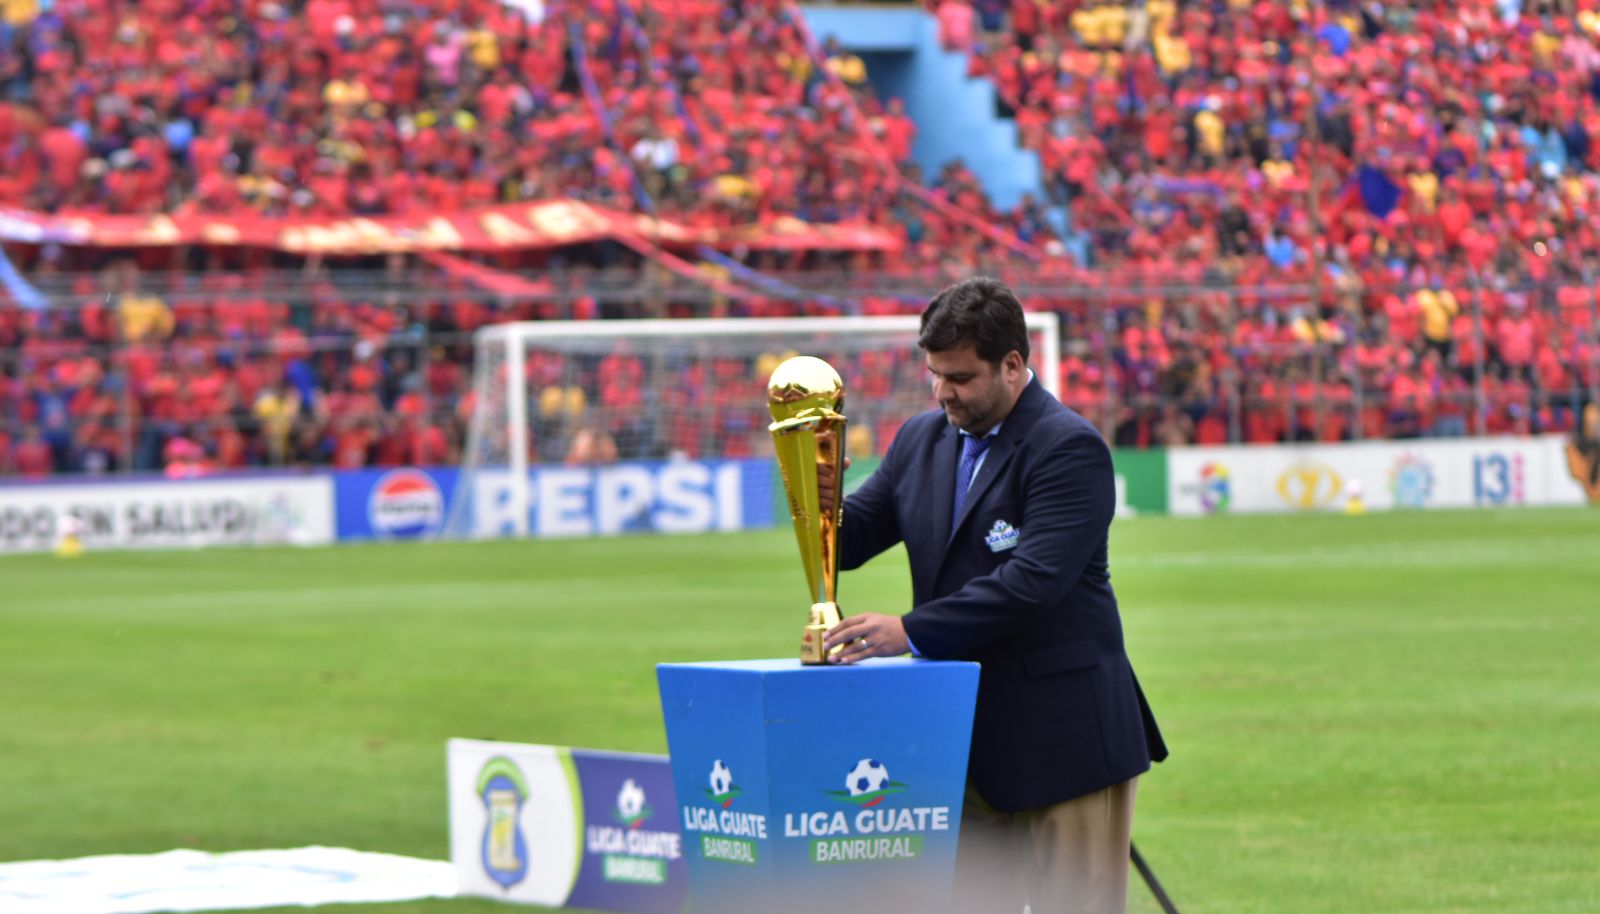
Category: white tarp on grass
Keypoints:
(185, 880)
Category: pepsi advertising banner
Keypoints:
(562, 827)
(672, 496)
(790, 778)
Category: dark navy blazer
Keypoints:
(1020, 585)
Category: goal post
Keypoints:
(570, 395)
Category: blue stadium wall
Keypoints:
(955, 116)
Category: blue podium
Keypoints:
(807, 788)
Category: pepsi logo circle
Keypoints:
(405, 504)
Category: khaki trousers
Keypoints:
(1070, 858)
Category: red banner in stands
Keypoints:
(489, 278)
(514, 226)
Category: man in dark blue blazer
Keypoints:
(1003, 498)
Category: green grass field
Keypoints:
(1394, 713)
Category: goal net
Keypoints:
(597, 427)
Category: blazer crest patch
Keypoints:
(1002, 536)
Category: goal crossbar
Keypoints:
(510, 341)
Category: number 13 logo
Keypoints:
(1497, 479)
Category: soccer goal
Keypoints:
(666, 405)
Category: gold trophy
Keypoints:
(805, 396)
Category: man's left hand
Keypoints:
(867, 635)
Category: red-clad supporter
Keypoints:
(32, 456)
(1515, 337)
(184, 458)
(1211, 429)
(957, 24)
(353, 440)
(229, 444)
(897, 129)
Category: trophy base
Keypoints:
(824, 616)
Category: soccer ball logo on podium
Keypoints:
(868, 776)
(723, 789)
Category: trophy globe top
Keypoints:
(803, 384)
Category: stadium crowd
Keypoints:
(1286, 221)
(1453, 149)
(365, 107)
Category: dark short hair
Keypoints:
(980, 311)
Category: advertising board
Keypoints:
(167, 513)
(1386, 475)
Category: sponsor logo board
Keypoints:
(1411, 481)
(1309, 485)
(678, 496)
(874, 830)
(168, 514)
(724, 834)
(405, 504)
(564, 827)
(1413, 475)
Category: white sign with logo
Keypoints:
(514, 820)
(165, 514)
(1384, 475)
(556, 826)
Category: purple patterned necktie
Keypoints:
(971, 449)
